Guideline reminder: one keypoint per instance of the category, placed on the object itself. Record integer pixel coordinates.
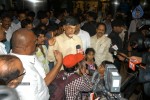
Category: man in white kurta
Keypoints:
(101, 45)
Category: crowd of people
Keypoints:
(34, 48)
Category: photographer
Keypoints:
(143, 70)
(144, 74)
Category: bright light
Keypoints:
(34, 1)
(116, 3)
(144, 3)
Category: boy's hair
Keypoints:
(25, 22)
(38, 31)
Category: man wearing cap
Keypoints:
(66, 42)
(83, 83)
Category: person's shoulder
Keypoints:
(59, 37)
(44, 47)
(93, 37)
(76, 37)
(112, 34)
(85, 32)
(106, 37)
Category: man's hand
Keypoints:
(58, 56)
(54, 71)
(52, 41)
(122, 56)
(138, 59)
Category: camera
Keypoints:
(7, 93)
(109, 86)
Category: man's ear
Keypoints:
(64, 27)
(13, 83)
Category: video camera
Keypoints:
(7, 93)
(143, 68)
(109, 86)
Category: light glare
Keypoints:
(34, 1)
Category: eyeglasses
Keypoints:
(18, 76)
(24, 72)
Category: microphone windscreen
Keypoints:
(111, 50)
(78, 47)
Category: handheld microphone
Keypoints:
(79, 50)
(132, 63)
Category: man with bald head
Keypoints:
(24, 47)
(11, 71)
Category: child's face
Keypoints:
(90, 55)
(101, 69)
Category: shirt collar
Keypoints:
(30, 58)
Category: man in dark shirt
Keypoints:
(114, 35)
(90, 26)
(116, 40)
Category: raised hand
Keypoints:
(58, 56)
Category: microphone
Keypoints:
(79, 50)
(132, 63)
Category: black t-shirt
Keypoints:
(116, 40)
(90, 27)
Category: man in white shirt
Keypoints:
(85, 37)
(34, 81)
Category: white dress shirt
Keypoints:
(33, 86)
(2, 49)
(85, 37)
(39, 67)
(15, 26)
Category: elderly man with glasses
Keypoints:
(11, 71)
